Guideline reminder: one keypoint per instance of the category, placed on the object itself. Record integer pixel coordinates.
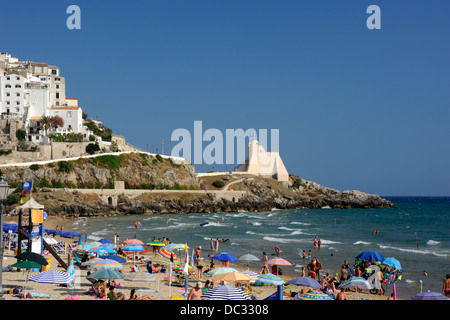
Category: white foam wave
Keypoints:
(301, 223)
(281, 240)
(361, 242)
(432, 243)
(417, 251)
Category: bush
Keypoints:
(218, 183)
(159, 158)
(91, 148)
(65, 166)
(108, 161)
(35, 167)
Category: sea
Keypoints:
(416, 233)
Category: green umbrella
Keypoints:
(106, 274)
(26, 264)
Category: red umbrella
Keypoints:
(128, 241)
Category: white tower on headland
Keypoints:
(259, 162)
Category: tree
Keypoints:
(57, 121)
(46, 122)
(91, 148)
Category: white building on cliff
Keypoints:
(259, 162)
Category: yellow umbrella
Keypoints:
(232, 276)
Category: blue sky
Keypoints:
(356, 108)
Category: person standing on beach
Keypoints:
(319, 243)
(264, 269)
(319, 266)
(196, 292)
(343, 274)
(446, 286)
(312, 268)
(315, 242)
(217, 245)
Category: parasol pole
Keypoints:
(394, 291)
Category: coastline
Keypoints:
(14, 278)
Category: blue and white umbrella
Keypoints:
(270, 279)
(52, 277)
(225, 292)
(357, 283)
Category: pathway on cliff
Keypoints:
(227, 186)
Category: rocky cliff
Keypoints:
(56, 184)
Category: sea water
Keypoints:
(416, 233)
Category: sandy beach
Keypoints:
(16, 279)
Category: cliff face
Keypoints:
(138, 170)
(146, 172)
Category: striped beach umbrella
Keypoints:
(270, 279)
(314, 295)
(114, 257)
(51, 276)
(133, 247)
(90, 261)
(357, 283)
(250, 273)
(106, 263)
(225, 292)
(163, 252)
(156, 244)
(429, 295)
(279, 262)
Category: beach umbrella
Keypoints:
(31, 256)
(314, 295)
(175, 246)
(156, 244)
(101, 250)
(232, 277)
(248, 257)
(393, 263)
(90, 262)
(250, 273)
(106, 263)
(104, 241)
(142, 277)
(224, 256)
(305, 281)
(370, 256)
(26, 264)
(279, 262)
(114, 257)
(111, 246)
(225, 292)
(128, 241)
(163, 252)
(357, 283)
(133, 247)
(52, 277)
(429, 295)
(94, 244)
(221, 270)
(270, 279)
(106, 274)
